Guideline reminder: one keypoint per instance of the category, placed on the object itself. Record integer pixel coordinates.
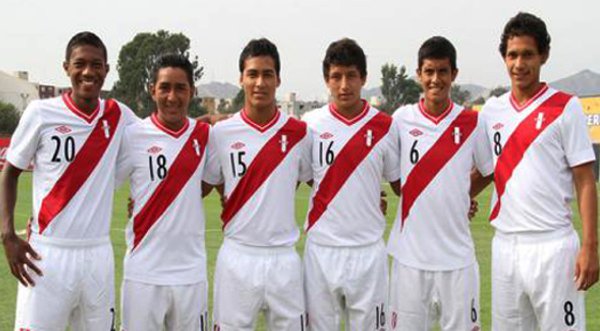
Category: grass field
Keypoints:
(481, 230)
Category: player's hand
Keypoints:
(586, 268)
(130, 204)
(473, 208)
(383, 202)
(19, 255)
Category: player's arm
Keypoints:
(396, 187)
(479, 182)
(586, 267)
(206, 188)
(18, 251)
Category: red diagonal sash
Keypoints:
(178, 175)
(435, 159)
(344, 164)
(259, 170)
(84, 163)
(523, 136)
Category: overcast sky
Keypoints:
(33, 34)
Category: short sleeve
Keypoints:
(212, 170)
(25, 140)
(483, 158)
(391, 156)
(306, 173)
(124, 165)
(575, 136)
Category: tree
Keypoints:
(479, 101)
(195, 108)
(9, 117)
(135, 65)
(396, 88)
(459, 95)
(498, 91)
(238, 101)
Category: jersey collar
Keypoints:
(435, 119)
(543, 88)
(80, 113)
(174, 134)
(260, 128)
(335, 112)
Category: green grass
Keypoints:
(481, 230)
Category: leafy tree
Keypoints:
(498, 91)
(135, 64)
(223, 106)
(459, 95)
(238, 101)
(396, 88)
(195, 109)
(479, 101)
(9, 117)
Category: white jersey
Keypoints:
(260, 166)
(74, 157)
(165, 236)
(349, 160)
(535, 146)
(431, 230)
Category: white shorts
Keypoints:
(251, 279)
(419, 298)
(76, 289)
(164, 307)
(533, 282)
(346, 283)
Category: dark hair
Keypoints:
(260, 47)
(345, 52)
(438, 48)
(173, 60)
(85, 38)
(526, 24)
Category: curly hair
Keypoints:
(526, 24)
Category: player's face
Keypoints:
(259, 81)
(344, 84)
(436, 77)
(87, 69)
(172, 94)
(523, 62)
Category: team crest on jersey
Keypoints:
(326, 135)
(416, 132)
(154, 149)
(63, 129)
(238, 145)
(394, 320)
(498, 126)
(476, 328)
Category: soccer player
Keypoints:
(65, 268)
(541, 149)
(165, 280)
(435, 276)
(354, 147)
(260, 154)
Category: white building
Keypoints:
(17, 90)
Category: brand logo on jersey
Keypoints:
(63, 129)
(326, 135)
(416, 132)
(498, 126)
(154, 149)
(238, 145)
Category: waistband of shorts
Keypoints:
(262, 250)
(378, 242)
(68, 242)
(535, 237)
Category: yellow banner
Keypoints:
(591, 108)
